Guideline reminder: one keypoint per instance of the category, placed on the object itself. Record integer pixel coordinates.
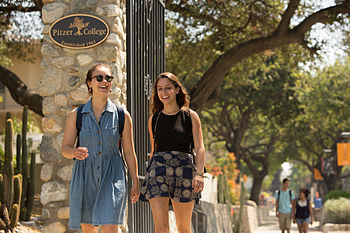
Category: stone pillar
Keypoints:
(63, 87)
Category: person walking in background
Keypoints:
(303, 211)
(285, 205)
(175, 131)
(98, 191)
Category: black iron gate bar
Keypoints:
(145, 60)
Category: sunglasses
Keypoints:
(100, 77)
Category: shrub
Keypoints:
(335, 194)
(338, 210)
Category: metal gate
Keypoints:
(145, 60)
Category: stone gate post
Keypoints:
(63, 87)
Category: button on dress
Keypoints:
(98, 190)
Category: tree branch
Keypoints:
(12, 8)
(250, 165)
(188, 12)
(309, 166)
(19, 91)
(326, 16)
(214, 76)
(287, 16)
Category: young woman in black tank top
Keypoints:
(175, 131)
(303, 212)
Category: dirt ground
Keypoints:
(27, 228)
(35, 223)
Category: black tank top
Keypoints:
(302, 212)
(173, 132)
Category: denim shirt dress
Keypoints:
(98, 189)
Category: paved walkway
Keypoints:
(272, 227)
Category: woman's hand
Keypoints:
(135, 192)
(81, 153)
(198, 183)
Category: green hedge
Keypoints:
(338, 210)
(336, 194)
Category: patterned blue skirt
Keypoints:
(170, 174)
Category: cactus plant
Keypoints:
(15, 210)
(4, 220)
(223, 190)
(17, 187)
(14, 215)
(237, 220)
(8, 178)
(18, 154)
(30, 196)
(8, 116)
(24, 159)
(2, 191)
(27, 182)
(10, 186)
(17, 192)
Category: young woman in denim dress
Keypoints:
(98, 192)
(172, 173)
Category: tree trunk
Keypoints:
(254, 193)
(20, 92)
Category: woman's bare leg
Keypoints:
(88, 228)
(160, 212)
(183, 214)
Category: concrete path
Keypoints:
(272, 227)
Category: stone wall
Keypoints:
(218, 217)
(63, 87)
(249, 218)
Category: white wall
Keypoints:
(29, 73)
(210, 192)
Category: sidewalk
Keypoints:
(272, 227)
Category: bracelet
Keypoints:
(199, 174)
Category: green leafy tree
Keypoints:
(238, 30)
(325, 115)
(300, 178)
(250, 116)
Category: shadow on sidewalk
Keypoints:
(273, 227)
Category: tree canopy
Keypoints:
(237, 30)
(325, 115)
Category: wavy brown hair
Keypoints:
(305, 191)
(182, 98)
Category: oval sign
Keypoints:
(79, 31)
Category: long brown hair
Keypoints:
(182, 98)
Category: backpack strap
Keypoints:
(290, 195)
(188, 132)
(121, 121)
(154, 129)
(79, 121)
